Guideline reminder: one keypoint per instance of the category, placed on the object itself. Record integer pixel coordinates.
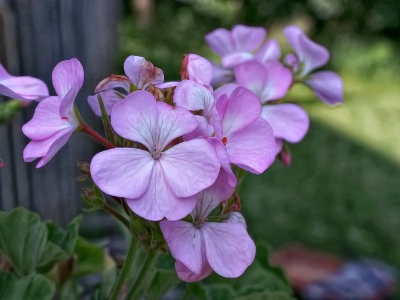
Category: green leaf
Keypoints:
(262, 256)
(70, 290)
(197, 291)
(161, 283)
(91, 259)
(220, 291)
(22, 239)
(65, 239)
(108, 278)
(60, 244)
(31, 287)
(51, 255)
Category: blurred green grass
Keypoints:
(342, 192)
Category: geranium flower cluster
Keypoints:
(175, 148)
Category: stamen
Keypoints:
(225, 140)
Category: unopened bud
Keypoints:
(236, 205)
(87, 192)
(156, 92)
(184, 70)
(285, 156)
(109, 79)
(84, 166)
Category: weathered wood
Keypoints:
(45, 32)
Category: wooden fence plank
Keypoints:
(48, 31)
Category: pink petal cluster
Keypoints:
(202, 247)
(255, 65)
(182, 161)
(139, 72)
(327, 85)
(54, 119)
(175, 147)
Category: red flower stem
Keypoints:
(89, 131)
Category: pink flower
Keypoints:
(271, 81)
(164, 180)
(140, 72)
(196, 68)
(107, 89)
(235, 46)
(54, 120)
(202, 247)
(248, 139)
(22, 87)
(194, 96)
(289, 122)
(327, 85)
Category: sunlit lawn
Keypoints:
(342, 193)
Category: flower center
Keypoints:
(156, 154)
(225, 140)
(64, 118)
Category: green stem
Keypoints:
(107, 207)
(106, 120)
(140, 286)
(83, 127)
(125, 269)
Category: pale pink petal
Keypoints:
(288, 121)
(172, 123)
(194, 96)
(220, 41)
(186, 275)
(229, 248)
(142, 72)
(328, 86)
(190, 167)
(167, 85)
(221, 75)
(135, 118)
(67, 81)
(122, 172)
(247, 38)
(47, 147)
(199, 69)
(141, 119)
(46, 120)
(109, 99)
(236, 218)
(310, 54)
(252, 75)
(226, 89)
(270, 51)
(226, 182)
(203, 129)
(243, 108)
(21, 87)
(270, 81)
(279, 145)
(253, 147)
(185, 243)
(108, 94)
(159, 201)
(237, 58)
